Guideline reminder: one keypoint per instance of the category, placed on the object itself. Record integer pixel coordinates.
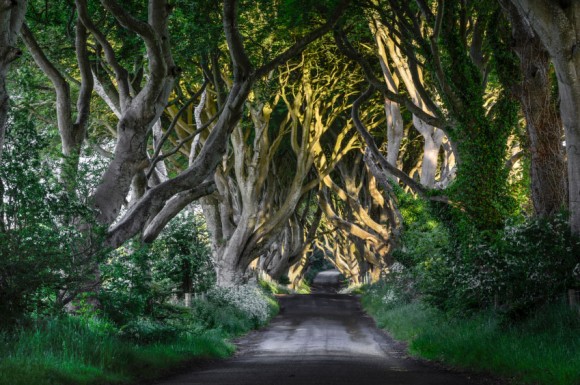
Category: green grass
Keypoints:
(80, 351)
(544, 349)
(272, 286)
(72, 351)
(276, 288)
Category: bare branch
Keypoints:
(172, 126)
(348, 50)
(121, 74)
(240, 60)
(101, 151)
(438, 20)
(511, 162)
(40, 58)
(170, 210)
(180, 144)
(136, 218)
(87, 83)
(415, 186)
(61, 87)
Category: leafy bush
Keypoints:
(43, 255)
(182, 254)
(248, 299)
(147, 330)
(234, 310)
(529, 264)
(394, 290)
(138, 279)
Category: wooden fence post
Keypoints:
(572, 300)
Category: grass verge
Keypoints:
(544, 349)
(89, 351)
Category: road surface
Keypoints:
(321, 339)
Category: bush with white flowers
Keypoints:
(248, 298)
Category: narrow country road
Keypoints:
(320, 339)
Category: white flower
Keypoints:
(248, 298)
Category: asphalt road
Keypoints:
(321, 339)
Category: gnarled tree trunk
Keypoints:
(557, 23)
(543, 123)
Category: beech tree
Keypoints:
(257, 191)
(278, 138)
(137, 92)
(557, 24)
(194, 179)
(390, 55)
(448, 38)
(549, 188)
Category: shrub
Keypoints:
(457, 268)
(147, 330)
(138, 279)
(248, 299)
(42, 254)
(527, 265)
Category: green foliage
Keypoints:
(481, 189)
(528, 265)
(424, 236)
(147, 330)
(196, 27)
(138, 279)
(543, 350)
(300, 13)
(43, 252)
(75, 351)
(182, 254)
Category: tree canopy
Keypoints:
(425, 135)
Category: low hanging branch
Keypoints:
(414, 185)
(348, 50)
(417, 187)
(121, 74)
(72, 133)
(159, 157)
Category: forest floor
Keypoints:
(322, 338)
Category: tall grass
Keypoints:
(544, 349)
(75, 351)
(89, 351)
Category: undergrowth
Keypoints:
(79, 350)
(543, 349)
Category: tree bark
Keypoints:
(543, 122)
(11, 19)
(72, 132)
(557, 24)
